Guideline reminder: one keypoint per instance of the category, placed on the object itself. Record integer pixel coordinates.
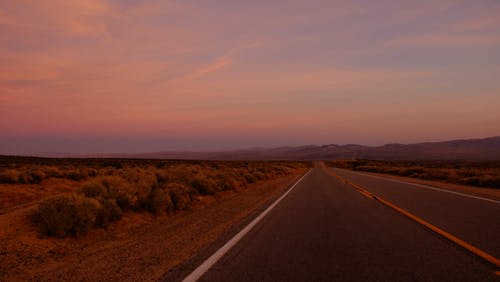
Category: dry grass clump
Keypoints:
(472, 173)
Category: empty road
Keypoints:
(324, 230)
(473, 219)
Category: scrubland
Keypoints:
(104, 189)
(53, 209)
(471, 173)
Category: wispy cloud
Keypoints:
(206, 70)
(220, 62)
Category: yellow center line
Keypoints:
(469, 247)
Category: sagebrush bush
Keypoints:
(51, 171)
(66, 215)
(159, 201)
(204, 185)
(181, 195)
(94, 189)
(139, 177)
(250, 178)
(78, 174)
(227, 182)
(104, 187)
(117, 189)
(9, 176)
(32, 176)
(108, 212)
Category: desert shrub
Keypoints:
(158, 201)
(113, 188)
(9, 176)
(139, 185)
(494, 182)
(146, 177)
(259, 175)
(472, 181)
(66, 215)
(33, 176)
(204, 185)
(114, 185)
(108, 212)
(467, 173)
(226, 182)
(37, 176)
(125, 200)
(92, 172)
(162, 176)
(81, 173)
(250, 178)
(411, 171)
(51, 171)
(436, 174)
(140, 196)
(94, 189)
(178, 174)
(484, 181)
(181, 195)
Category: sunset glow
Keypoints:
(90, 76)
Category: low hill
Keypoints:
(468, 149)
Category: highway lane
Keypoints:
(471, 219)
(324, 230)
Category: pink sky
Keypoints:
(88, 76)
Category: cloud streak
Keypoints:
(220, 62)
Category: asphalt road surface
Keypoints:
(475, 220)
(324, 230)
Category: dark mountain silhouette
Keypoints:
(469, 149)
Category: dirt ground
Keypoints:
(138, 247)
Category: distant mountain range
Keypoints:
(469, 149)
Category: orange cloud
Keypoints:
(221, 62)
(206, 70)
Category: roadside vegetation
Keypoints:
(471, 173)
(106, 188)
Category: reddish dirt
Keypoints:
(138, 247)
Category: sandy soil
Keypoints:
(138, 247)
(477, 191)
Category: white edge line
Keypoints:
(208, 263)
(426, 187)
